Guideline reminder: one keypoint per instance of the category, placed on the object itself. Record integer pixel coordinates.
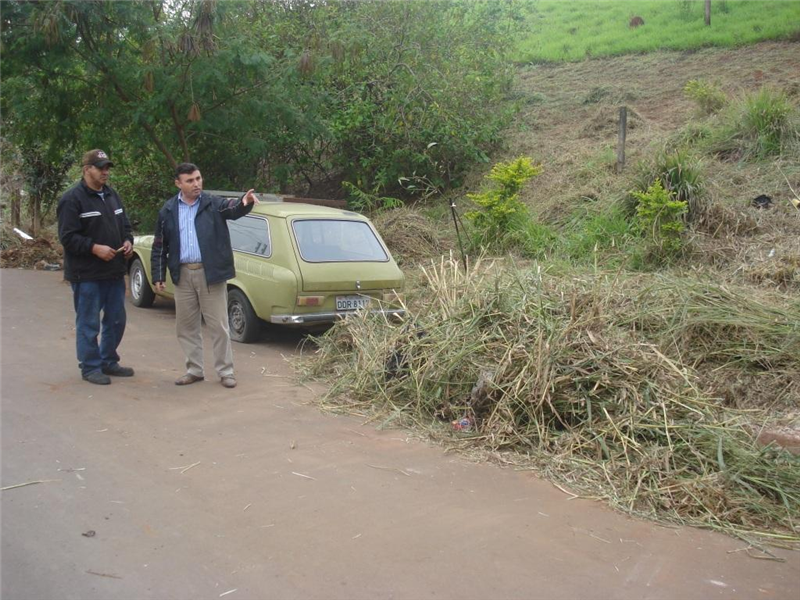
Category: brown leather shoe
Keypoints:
(187, 379)
(228, 381)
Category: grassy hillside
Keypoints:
(578, 29)
(568, 123)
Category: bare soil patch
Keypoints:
(41, 253)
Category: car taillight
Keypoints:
(310, 300)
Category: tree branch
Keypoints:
(179, 131)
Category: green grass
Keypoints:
(575, 30)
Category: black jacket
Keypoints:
(84, 219)
(212, 236)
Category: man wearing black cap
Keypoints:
(97, 238)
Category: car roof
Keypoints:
(296, 209)
(277, 206)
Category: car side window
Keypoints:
(251, 235)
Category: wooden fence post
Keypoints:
(708, 13)
(623, 125)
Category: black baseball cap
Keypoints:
(97, 158)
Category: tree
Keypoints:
(289, 95)
(37, 121)
(133, 76)
(414, 92)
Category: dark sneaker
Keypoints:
(188, 379)
(229, 381)
(98, 378)
(118, 371)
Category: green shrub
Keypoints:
(502, 213)
(709, 97)
(659, 217)
(680, 174)
(766, 122)
(761, 125)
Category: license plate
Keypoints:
(351, 302)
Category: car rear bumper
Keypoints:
(330, 317)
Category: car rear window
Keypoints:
(337, 240)
(251, 235)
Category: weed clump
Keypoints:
(710, 99)
(680, 174)
(761, 125)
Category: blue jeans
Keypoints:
(90, 298)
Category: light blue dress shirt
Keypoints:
(190, 248)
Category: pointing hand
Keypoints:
(249, 198)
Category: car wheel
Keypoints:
(242, 319)
(142, 294)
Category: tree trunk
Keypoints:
(15, 209)
(35, 209)
(708, 13)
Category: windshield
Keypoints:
(332, 240)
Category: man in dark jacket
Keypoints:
(192, 239)
(97, 238)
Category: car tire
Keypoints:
(242, 319)
(142, 294)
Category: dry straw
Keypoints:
(593, 380)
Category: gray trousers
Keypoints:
(193, 299)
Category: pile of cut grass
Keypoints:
(593, 379)
(410, 236)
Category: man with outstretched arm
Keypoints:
(192, 240)
(97, 239)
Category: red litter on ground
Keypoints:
(464, 424)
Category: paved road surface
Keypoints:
(285, 501)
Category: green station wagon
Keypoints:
(297, 265)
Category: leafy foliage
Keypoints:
(503, 213)
(396, 98)
(363, 202)
(659, 216)
(403, 96)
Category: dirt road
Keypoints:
(199, 492)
